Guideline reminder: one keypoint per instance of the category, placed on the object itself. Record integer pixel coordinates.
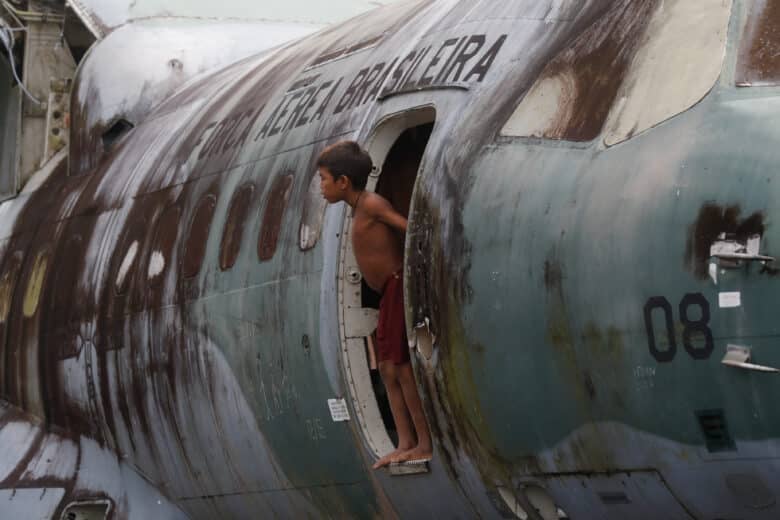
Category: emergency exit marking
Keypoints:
(728, 300)
(338, 410)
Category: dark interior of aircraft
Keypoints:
(396, 184)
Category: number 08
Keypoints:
(700, 326)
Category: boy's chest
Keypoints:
(369, 233)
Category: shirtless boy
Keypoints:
(376, 238)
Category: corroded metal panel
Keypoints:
(759, 52)
(573, 96)
(541, 265)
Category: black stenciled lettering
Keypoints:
(290, 120)
(659, 302)
(485, 62)
(231, 131)
(304, 119)
(426, 80)
(447, 66)
(374, 92)
(408, 82)
(248, 127)
(206, 150)
(203, 132)
(325, 102)
(230, 125)
(399, 73)
(275, 128)
(296, 113)
(700, 326)
(349, 94)
(470, 50)
(360, 97)
(267, 125)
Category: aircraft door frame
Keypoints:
(356, 322)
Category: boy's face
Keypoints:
(332, 190)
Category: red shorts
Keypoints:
(391, 343)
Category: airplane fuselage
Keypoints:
(190, 310)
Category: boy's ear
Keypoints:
(343, 183)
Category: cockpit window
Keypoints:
(759, 51)
(640, 64)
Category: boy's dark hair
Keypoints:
(347, 159)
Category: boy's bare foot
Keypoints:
(416, 454)
(389, 458)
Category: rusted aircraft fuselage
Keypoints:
(178, 318)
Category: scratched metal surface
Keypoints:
(206, 394)
(107, 15)
(9, 111)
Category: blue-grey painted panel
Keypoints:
(9, 135)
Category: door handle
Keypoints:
(730, 249)
(743, 256)
(738, 357)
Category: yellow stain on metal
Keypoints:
(5, 297)
(35, 285)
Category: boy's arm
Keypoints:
(383, 211)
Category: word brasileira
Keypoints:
(454, 61)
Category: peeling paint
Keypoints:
(35, 284)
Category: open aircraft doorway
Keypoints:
(397, 147)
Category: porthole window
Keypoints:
(233, 233)
(162, 249)
(195, 248)
(271, 227)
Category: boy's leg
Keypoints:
(412, 401)
(403, 425)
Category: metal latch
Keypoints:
(731, 251)
(738, 357)
(424, 338)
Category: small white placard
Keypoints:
(338, 410)
(728, 300)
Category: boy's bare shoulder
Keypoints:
(375, 203)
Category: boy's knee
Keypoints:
(387, 370)
(404, 373)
